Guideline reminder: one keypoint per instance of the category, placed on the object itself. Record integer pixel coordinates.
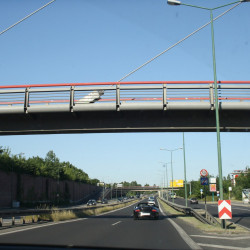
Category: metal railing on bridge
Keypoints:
(113, 96)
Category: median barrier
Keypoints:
(22, 214)
(203, 216)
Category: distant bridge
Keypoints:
(123, 107)
(143, 189)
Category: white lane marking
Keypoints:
(116, 223)
(161, 209)
(184, 235)
(220, 246)
(223, 238)
(44, 225)
(60, 222)
(192, 244)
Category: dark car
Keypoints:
(143, 210)
(91, 203)
(104, 201)
(193, 201)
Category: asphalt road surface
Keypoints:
(240, 213)
(115, 229)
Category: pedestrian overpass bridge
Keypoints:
(124, 107)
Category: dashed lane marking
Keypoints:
(56, 223)
(116, 223)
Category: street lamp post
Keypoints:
(166, 166)
(58, 188)
(175, 2)
(185, 176)
(103, 190)
(171, 151)
(111, 191)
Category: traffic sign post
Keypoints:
(203, 173)
(204, 181)
(201, 190)
(212, 189)
(212, 186)
(225, 209)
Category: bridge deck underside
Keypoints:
(124, 121)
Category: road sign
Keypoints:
(201, 190)
(177, 183)
(204, 181)
(119, 185)
(229, 188)
(204, 173)
(212, 187)
(225, 209)
(212, 180)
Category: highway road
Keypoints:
(114, 229)
(240, 212)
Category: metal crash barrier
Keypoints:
(207, 218)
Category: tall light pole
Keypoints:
(171, 151)
(58, 188)
(165, 165)
(185, 175)
(175, 2)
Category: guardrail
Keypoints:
(207, 219)
(113, 96)
(22, 214)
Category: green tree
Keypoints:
(242, 182)
(48, 167)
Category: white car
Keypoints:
(151, 201)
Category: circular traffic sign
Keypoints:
(204, 173)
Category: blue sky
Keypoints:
(103, 40)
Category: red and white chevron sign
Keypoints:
(225, 209)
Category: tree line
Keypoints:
(242, 182)
(50, 166)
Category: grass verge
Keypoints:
(70, 214)
(232, 229)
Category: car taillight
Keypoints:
(153, 210)
(137, 210)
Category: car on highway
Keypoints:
(151, 201)
(104, 201)
(91, 203)
(193, 201)
(173, 195)
(144, 210)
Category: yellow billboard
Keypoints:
(177, 183)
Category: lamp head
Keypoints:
(176, 2)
